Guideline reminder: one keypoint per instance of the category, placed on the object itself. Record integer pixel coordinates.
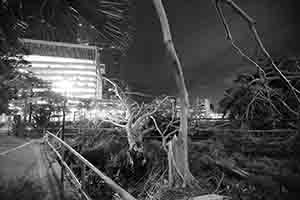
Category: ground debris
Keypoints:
(246, 167)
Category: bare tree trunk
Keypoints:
(25, 109)
(180, 149)
(130, 136)
(171, 168)
(30, 112)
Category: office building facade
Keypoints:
(74, 70)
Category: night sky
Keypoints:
(209, 62)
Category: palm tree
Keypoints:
(62, 20)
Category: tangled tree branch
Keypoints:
(119, 95)
(252, 28)
(163, 134)
(136, 116)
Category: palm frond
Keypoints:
(105, 21)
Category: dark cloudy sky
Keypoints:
(209, 62)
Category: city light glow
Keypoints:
(72, 77)
(64, 87)
(37, 58)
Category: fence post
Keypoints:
(63, 150)
(82, 174)
(45, 135)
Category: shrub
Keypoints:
(21, 189)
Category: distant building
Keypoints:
(199, 109)
(74, 70)
(111, 56)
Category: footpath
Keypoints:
(31, 162)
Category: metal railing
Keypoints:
(80, 184)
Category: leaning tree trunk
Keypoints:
(179, 154)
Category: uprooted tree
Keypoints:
(273, 91)
(140, 119)
(257, 104)
(134, 117)
(180, 142)
(177, 146)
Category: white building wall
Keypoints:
(80, 77)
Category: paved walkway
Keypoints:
(31, 161)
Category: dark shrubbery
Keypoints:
(108, 151)
(264, 102)
(21, 189)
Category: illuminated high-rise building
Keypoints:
(74, 70)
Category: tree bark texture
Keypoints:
(179, 146)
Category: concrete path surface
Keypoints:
(32, 162)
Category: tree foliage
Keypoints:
(54, 104)
(264, 102)
(15, 80)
